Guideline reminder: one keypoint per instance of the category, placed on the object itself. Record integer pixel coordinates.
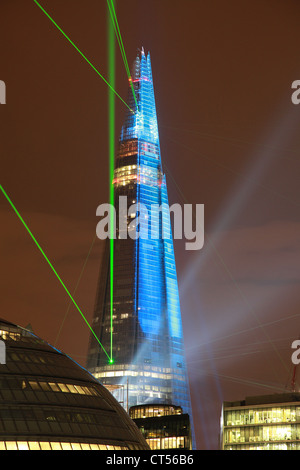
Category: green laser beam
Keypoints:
(114, 19)
(118, 35)
(74, 291)
(111, 145)
(118, 38)
(81, 53)
(50, 264)
(120, 41)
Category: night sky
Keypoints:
(230, 140)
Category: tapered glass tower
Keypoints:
(147, 338)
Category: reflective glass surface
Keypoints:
(265, 427)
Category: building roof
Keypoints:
(277, 398)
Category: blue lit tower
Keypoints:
(148, 346)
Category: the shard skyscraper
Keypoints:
(147, 336)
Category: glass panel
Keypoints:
(34, 446)
(85, 446)
(34, 385)
(45, 445)
(55, 446)
(66, 446)
(71, 388)
(22, 445)
(75, 446)
(44, 386)
(63, 388)
(54, 387)
(11, 445)
(79, 389)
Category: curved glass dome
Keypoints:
(49, 402)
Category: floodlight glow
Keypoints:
(278, 136)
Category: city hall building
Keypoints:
(49, 402)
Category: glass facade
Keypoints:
(163, 426)
(148, 349)
(49, 402)
(262, 425)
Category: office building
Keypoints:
(144, 328)
(163, 426)
(268, 422)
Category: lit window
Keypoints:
(45, 445)
(79, 389)
(11, 445)
(66, 446)
(75, 446)
(71, 388)
(22, 445)
(85, 446)
(63, 388)
(44, 386)
(55, 446)
(34, 446)
(94, 447)
(54, 387)
(34, 385)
